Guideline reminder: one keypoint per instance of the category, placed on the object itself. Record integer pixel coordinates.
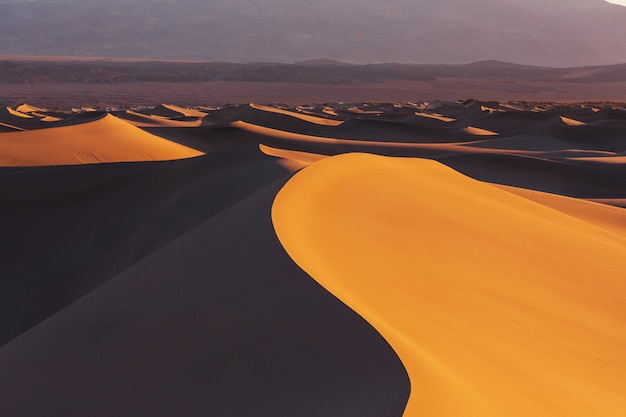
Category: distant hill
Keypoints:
(14, 70)
(540, 32)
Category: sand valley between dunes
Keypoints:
(444, 259)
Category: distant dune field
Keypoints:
(404, 258)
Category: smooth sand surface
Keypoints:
(500, 290)
(294, 159)
(218, 322)
(146, 120)
(572, 122)
(172, 111)
(479, 132)
(108, 139)
(497, 305)
(305, 117)
(435, 116)
(604, 216)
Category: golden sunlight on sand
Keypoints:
(478, 131)
(572, 122)
(308, 118)
(498, 305)
(435, 116)
(107, 139)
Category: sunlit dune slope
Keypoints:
(107, 139)
(497, 305)
(478, 131)
(26, 108)
(308, 118)
(435, 116)
(294, 159)
(170, 110)
(144, 120)
(572, 122)
(219, 322)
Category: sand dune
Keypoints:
(5, 127)
(171, 111)
(479, 132)
(308, 118)
(106, 140)
(144, 120)
(572, 122)
(435, 116)
(17, 119)
(600, 215)
(26, 108)
(603, 159)
(298, 159)
(113, 215)
(218, 322)
(493, 269)
(527, 319)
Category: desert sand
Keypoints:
(432, 258)
(496, 305)
(104, 139)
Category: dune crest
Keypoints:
(496, 304)
(107, 139)
(571, 122)
(26, 108)
(478, 131)
(306, 117)
(435, 116)
(170, 110)
(292, 159)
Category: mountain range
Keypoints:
(558, 33)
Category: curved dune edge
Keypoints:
(602, 159)
(435, 116)
(610, 218)
(497, 305)
(358, 145)
(107, 139)
(144, 120)
(170, 110)
(478, 131)
(572, 122)
(292, 159)
(307, 118)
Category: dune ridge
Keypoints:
(218, 321)
(105, 140)
(528, 319)
(492, 268)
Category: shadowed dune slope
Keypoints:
(68, 229)
(497, 305)
(298, 115)
(146, 120)
(171, 111)
(107, 139)
(220, 322)
(584, 180)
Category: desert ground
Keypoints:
(333, 258)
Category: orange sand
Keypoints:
(496, 304)
(108, 139)
(571, 122)
(305, 117)
(436, 116)
(478, 131)
(292, 159)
